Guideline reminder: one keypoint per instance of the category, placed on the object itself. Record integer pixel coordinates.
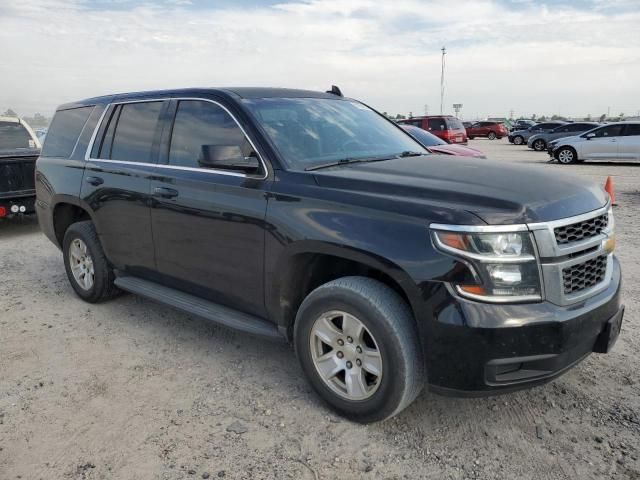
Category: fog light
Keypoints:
(15, 209)
(23, 209)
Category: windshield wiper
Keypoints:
(409, 153)
(347, 161)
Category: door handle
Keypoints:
(95, 181)
(165, 192)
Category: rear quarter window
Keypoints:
(64, 132)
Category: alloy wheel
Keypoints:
(81, 264)
(566, 156)
(538, 145)
(518, 140)
(345, 355)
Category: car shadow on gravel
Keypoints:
(16, 226)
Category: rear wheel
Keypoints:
(87, 268)
(566, 155)
(539, 145)
(518, 140)
(358, 346)
(470, 137)
(491, 136)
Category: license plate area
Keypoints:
(610, 333)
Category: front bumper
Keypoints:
(477, 349)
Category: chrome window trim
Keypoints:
(88, 157)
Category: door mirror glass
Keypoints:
(227, 157)
(590, 135)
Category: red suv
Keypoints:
(446, 127)
(491, 130)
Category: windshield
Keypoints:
(425, 138)
(308, 132)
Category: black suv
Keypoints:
(312, 218)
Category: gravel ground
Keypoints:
(130, 389)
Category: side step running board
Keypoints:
(219, 314)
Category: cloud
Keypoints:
(530, 56)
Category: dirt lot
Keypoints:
(132, 390)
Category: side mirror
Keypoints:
(589, 136)
(227, 157)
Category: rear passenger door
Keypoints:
(208, 224)
(117, 182)
(629, 144)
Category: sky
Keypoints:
(571, 58)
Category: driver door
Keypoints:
(604, 144)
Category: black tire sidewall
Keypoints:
(537, 142)
(491, 136)
(385, 400)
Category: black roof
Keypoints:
(235, 92)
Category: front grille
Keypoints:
(17, 176)
(584, 275)
(581, 230)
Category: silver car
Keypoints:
(615, 141)
(539, 141)
(520, 137)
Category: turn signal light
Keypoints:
(473, 289)
(3, 212)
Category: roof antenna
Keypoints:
(335, 90)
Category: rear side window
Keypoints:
(455, 124)
(199, 123)
(13, 136)
(437, 124)
(632, 129)
(131, 131)
(64, 132)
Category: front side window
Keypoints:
(199, 123)
(577, 127)
(609, 131)
(311, 131)
(14, 136)
(131, 132)
(64, 131)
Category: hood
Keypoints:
(572, 138)
(456, 150)
(496, 192)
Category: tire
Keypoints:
(470, 137)
(491, 135)
(389, 329)
(83, 235)
(566, 155)
(518, 140)
(539, 145)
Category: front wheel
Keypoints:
(518, 140)
(539, 145)
(358, 345)
(566, 155)
(491, 136)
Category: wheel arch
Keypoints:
(65, 211)
(306, 265)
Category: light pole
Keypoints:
(444, 52)
(456, 108)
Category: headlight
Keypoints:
(503, 263)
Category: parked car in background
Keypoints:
(436, 145)
(446, 127)
(310, 218)
(19, 149)
(539, 141)
(614, 141)
(520, 137)
(467, 124)
(490, 130)
(522, 124)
